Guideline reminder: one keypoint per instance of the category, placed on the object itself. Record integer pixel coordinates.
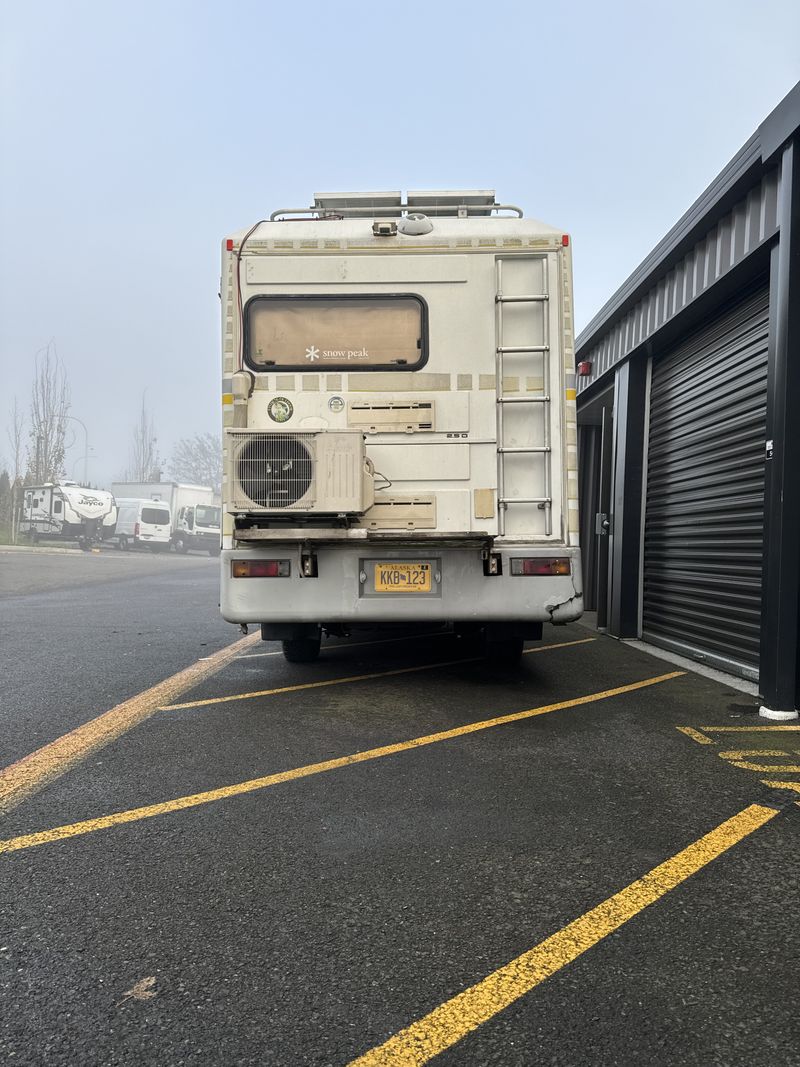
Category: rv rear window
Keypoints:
(157, 516)
(336, 332)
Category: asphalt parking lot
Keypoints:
(397, 855)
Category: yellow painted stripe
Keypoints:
(695, 735)
(33, 772)
(227, 398)
(746, 729)
(58, 833)
(762, 768)
(571, 394)
(456, 1018)
(355, 678)
(784, 785)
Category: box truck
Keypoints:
(195, 517)
(399, 423)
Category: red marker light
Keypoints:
(565, 239)
(585, 368)
(539, 566)
(260, 568)
(229, 244)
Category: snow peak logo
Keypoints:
(337, 355)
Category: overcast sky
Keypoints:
(135, 136)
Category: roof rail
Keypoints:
(453, 204)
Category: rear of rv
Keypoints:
(399, 420)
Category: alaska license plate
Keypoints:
(402, 577)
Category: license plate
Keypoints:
(402, 577)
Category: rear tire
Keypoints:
(301, 649)
(181, 547)
(123, 543)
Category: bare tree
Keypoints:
(15, 433)
(198, 459)
(145, 465)
(50, 405)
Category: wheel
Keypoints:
(506, 652)
(180, 546)
(301, 649)
(123, 543)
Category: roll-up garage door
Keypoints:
(704, 513)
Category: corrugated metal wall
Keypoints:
(750, 223)
(705, 489)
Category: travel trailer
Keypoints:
(399, 421)
(66, 511)
(143, 524)
(195, 515)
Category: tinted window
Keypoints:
(316, 332)
(155, 515)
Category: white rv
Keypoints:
(195, 517)
(399, 421)
(66, 511)
(143, 524)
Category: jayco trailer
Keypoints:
(399, 420)
(66, 511)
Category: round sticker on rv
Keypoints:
(336, 404)
(280, 409)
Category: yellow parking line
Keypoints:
(58, 833)
(783, 785)
(33, 772)
(465, 1012)
(746, 729)
(355, 678)
(695, 735)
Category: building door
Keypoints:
(704, 517)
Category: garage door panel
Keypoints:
(704, 510)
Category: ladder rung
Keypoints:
(522, 348)
(534, 298)
(523, 399)
(520, 451)
(525, 500)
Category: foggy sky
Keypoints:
(135, 137)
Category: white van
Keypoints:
(143, 523)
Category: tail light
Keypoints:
(539, 565)
(260, 568)
(136, 529)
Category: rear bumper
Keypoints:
(344, 592)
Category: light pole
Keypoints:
(72, 418)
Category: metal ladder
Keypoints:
(503, 501)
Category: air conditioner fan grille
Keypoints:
(275, 470)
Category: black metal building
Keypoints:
(689, 428)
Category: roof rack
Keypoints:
(434, 203)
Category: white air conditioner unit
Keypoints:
(318, 471)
